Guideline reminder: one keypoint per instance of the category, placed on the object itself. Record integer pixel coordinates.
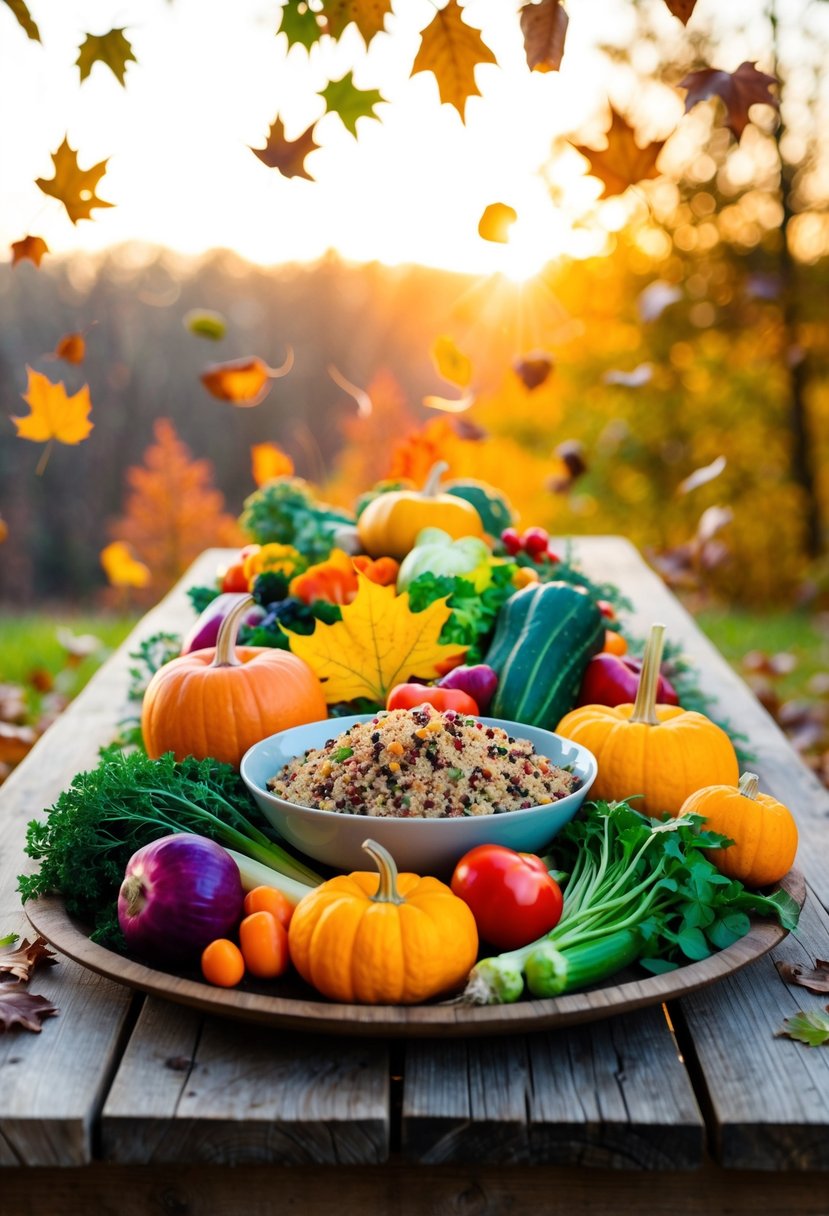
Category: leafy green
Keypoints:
(153, 652)
(284, 511)
(200, 597)
(810, 1027)
(473, 613)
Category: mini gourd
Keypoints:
(763, 830)
(393, 940)
(661, 752)
(390, 524)
(220, 701)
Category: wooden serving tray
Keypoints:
(290, 1003)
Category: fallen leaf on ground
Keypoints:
(23, 960)
(451, 363)
(738, 90)
(73, 186)
(111, 49)
(71, 348)
(451, 50)
(15, 742)
(24, 1009)
(815, 979)
(78, 645)
(810, 1027)
(623, 162)
(495, 223)
(287, 155)
(267, 461)
(31, 247)
(54, 415)
(544, 26)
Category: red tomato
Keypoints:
(233, 578)
(512, 897)
(409, 696)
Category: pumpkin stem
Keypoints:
(432, 483)
(644, 707)
(225, 655)
(749, 785)
(387, 892)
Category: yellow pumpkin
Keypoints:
(390, 524)
(390, 939)
(763, 830)
(220, 701)
(661, 752)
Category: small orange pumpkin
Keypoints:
(763, 830)
(220, 701)
(392, 939)
(390, 524)
(661, 752)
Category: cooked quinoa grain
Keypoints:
(424, 764)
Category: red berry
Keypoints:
(552, 556)
(511, 541)
(606, 609)
(535, 541)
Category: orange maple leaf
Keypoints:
(623, 162)
(243, 382)
(451, 50)
(54, 415)
(73, 186)
(287, 155)
(368, 15)
(269, 461)
(71, 348)
(31, 247)
(122, 568)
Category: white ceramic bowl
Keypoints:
(421, 846)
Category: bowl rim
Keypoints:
(344, 817)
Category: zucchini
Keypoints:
(493, 507)
(545, 637)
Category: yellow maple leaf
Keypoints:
(122, 568)
(378, 643)
(451, 50)
(54, 415)
(269, 461)
(452, 364)
(73, 186)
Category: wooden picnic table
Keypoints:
(130, 1103)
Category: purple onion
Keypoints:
(479, 681)
(204, 632)
(179, 893)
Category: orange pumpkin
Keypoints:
(390, 524)
(763, 830)
(661, 752)
(220, 701)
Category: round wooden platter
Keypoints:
(289, 1003)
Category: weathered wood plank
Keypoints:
(202, 1089)
(614, 1094)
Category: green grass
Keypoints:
(737, 632)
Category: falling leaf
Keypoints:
(544, 26)
(496, 221)
(450, 405)
(122, 568)
(655, 298)
(701, 477)
(205, 324)
(451, 50)
(815, 979)
(73, 186)
(71, 348)
(23, 1009)
(810, 1027)
(31, 247)
(533, 370)
(244, 382)
(682, 9)
(738, 90)
(54, 415)
(378, 643)
(299, 24)
(22, 961)
(268, 461)
(623, 162)
(364, 405)
(451, 363)
(112, 49)
(572, 455)
(641, 374)
(24, 17)
(368, 15)
(287, 155)
(341, 97)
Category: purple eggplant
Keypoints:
(479, 682)
(205, 630)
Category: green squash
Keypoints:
(545, 636)
(493, 507)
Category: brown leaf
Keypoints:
(682, 9)
(368, 15)
(21, 961)
(25, 1009)
(31, 247)
(573, 465)
(738, 90)
(451, 50)
(496, 221)
(72, 348)
(533, 370)
(471, 431)
(544, 26)
(243, 382)
(73, 186)
(287, 155)
(815, 979)
(623, 162)
(15, 742)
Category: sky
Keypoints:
(210, 78)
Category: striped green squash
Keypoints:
(545, 636)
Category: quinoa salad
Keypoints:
(421, 763)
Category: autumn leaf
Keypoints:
(451, 50)
(71, 348)
(810, 1027)
(681, 9)
(573, 464)
(287, 155)
(73, 186)
(205, 324)
(451, 363)
(738, 90)
(269, 461)
(54, 415)
(450, 405)
(15, 742)
(533, 370)
(341, 97)
(368, 15)
(31, 247)
(496, 221)
(23, 1009)
(243, 382)
(24, 17)
(111, 49)
(544, 26)
(299, 24)
(815, 979)
(623, 162)
(378, 643)
(122, 568)
(25, 959)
